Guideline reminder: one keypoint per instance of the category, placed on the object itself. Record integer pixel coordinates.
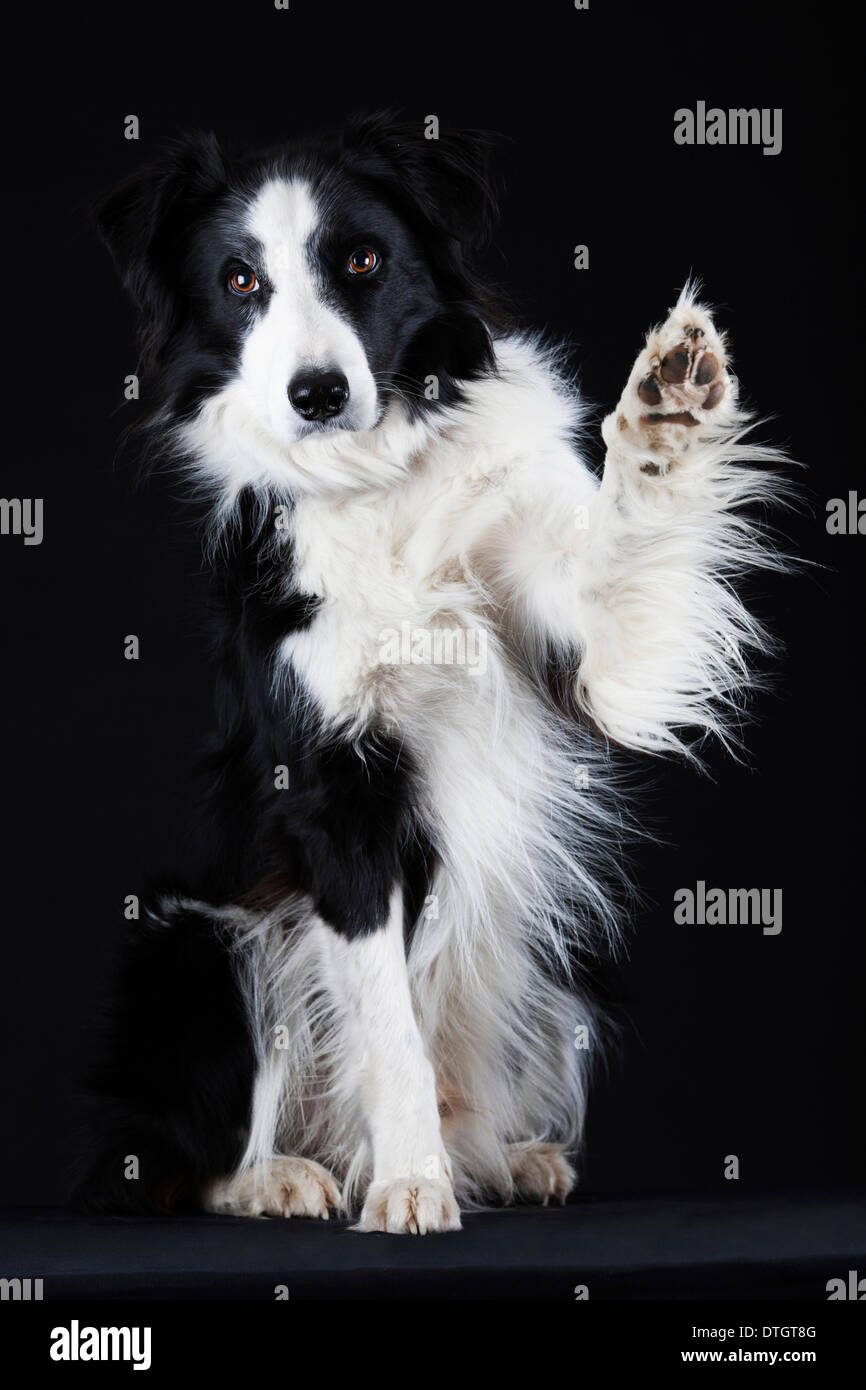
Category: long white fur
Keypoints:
(485, 517)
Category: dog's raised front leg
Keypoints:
(631, 581)
(410, 1189)
(666, 636)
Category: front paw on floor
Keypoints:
(410, 1206)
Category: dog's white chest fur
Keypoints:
(408, 617)
(394, 575)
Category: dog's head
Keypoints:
(290, 303)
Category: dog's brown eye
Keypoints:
(243, 282)
(362, 261)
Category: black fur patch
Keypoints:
(174, 1088)
(338, 830)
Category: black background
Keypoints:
(734, 1043)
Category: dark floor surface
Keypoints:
(753, 1246)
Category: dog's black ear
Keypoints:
(144, 222)
(443, 174)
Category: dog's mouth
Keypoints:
(315, 427)
(312, 429)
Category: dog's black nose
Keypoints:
(318, 395)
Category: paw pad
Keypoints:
(649, 391)
(679, 381)
(675, 365)
(686, 379)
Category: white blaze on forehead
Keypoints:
(283, 219)
(298, 329)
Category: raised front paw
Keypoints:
(678, 393)
(410, 1206)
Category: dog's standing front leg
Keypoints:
(410, 1189)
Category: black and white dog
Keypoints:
(434, 622)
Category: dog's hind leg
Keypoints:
(173, 1087)
(540, 1171)
(287, 1185)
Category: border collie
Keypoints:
(435, 623)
